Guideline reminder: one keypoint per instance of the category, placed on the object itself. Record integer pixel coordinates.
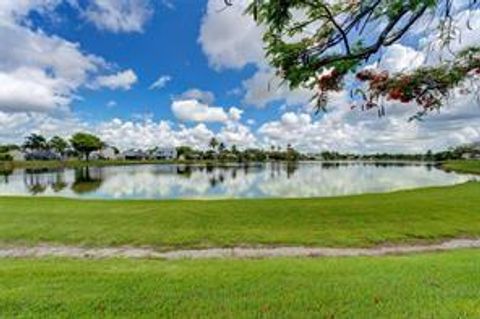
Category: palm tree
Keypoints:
(35, 142)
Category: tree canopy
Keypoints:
(317, 44)
(85, 143)
(58, 144)
(35, 142)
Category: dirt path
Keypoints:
(239, 252)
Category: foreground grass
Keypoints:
(441, 285)
(470, 166)
(366, 220)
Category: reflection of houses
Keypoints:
(166, 153)
(17, 155)
(42, 155)
(138, 155)
(107, 153)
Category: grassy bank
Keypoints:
(5, 165)
(471, 166)
(441, 285)
(366, 220)
(10, 165)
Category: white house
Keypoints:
(133, 154)
(107, 153)
(17, 155)
(167, 153)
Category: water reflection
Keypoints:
(87, 180)
(308, 179)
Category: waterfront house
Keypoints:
(17, 155)
(165, 153)
(134, 155)
(107, 153)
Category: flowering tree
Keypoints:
(318, 43)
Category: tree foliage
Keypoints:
(85, 143)
(35, 142)
(58, 144)
(317, 43)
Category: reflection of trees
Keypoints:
(59, 183)
(291, 168)
(87, 180)
(234, 173)
(5, 173)
(329, 165)
(38, 180)
(184, 170)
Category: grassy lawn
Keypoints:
(406, 216)
(471, 166)
(441, 285)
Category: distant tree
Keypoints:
(58, 144)
(429, 155)
(35, 142)
(184, 151)
(234, 149)
(85, 143)
(9, 147)
(213, 143)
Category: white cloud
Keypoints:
(235, 133)
(355, 131)
(161, 82)
(42, 72)
(31, 90)
(16, 10)
(202, 96)
(122, 80)
(232, 39)
(265, 87)
(195, 111)
(119, 15)
(400, 58)
(229, 38)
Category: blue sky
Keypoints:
(91, 65)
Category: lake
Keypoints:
(304, 179)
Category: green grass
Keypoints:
(10, 165)
(471, 166)
(438, 285)
(6, 165)
(407, 216)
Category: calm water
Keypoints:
(231, 181)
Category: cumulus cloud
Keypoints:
(355, 131)
(119, 15)
(31, 90)
(400, 58)
(205, 97)
(122, 80)
(40, 72)
(265, 87)
(195, 111)
(161, 82)
(229, 38)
